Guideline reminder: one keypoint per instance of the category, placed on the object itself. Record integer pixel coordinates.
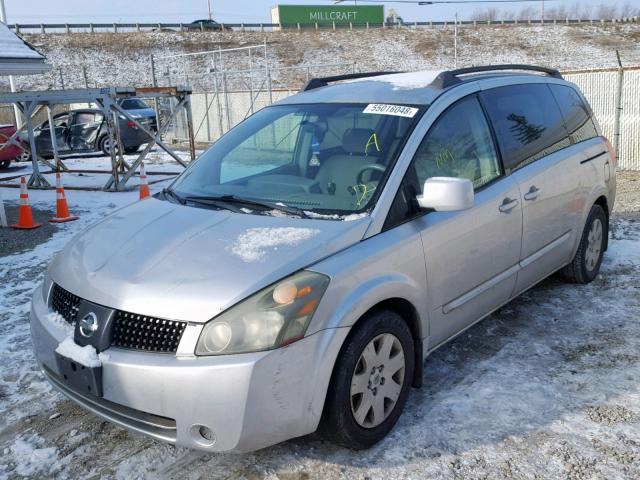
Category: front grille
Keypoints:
(139, 332)
(130, 330)
(65, 303)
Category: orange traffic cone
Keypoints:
(62, 209)
(144, 186)
(25, 217)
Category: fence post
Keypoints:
(42, 31)
(66, 28)
(115, 28)
(618, 112)
(91, 29)
(152, 62)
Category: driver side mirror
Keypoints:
(446, 194)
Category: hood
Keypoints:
(165, 260)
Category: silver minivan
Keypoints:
(297, 274)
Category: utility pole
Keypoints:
(12, 82)
(542, 13)
(208, 5)
(455, 42)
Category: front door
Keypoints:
(472, 255)
(83, 131)
(61, 129)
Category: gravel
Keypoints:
(15, 241)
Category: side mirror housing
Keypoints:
(446, 194)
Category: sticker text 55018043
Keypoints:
(387, 109)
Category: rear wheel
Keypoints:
(105, 146)
(4, 164)
(370, 382)
(586, 263)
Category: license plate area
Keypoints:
(85, 380)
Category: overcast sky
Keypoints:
(231, 11)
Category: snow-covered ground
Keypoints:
(547, 387)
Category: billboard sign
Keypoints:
(327, 14)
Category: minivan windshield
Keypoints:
(320, 158)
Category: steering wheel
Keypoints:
(370, 166)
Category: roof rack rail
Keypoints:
(449, 78)
(324, 81)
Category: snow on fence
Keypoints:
(604, 89)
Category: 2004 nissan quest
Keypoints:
(296, 275)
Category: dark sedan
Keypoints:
(85, 131)
(207, 24)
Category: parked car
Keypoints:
(298, 273)
(9, 153)
(85, 131)
(140, 109)
(207, 24)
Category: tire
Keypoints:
(131, 150)
(4, 164)
(586, 263)
(103, 145)
(348, 418)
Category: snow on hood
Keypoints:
(170, 261)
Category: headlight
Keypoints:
(271, 318)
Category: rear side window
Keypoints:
(527, 122)
(577, 116)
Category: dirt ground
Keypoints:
(547, 387)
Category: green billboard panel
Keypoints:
(327, 14)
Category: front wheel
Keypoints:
(4, 164)
(370, 382)
(586, 263)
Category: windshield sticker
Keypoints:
(386, 109)
(373, 140)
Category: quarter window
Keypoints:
(527, 121)
(458, 145)
(577, 116)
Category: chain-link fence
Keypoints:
(614, 95)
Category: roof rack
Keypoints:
(324, 81)
(450, 77)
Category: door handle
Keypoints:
(507, 205)
(532, 194)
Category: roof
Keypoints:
(412, 88)
(405, 88)
(17, 57)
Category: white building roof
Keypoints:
(17, 57)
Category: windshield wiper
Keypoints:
(167, 192)
(233, 199)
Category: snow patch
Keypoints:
(30, 458)
(345, 218)
(59, 321)
(253, 244)
(87, 355)
(405, 81)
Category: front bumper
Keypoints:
(248, 401)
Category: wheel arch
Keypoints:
(408, 312)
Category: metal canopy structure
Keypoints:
(31, 103)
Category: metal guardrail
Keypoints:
(127, 27)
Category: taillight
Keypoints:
(612, 152)
(131, 124)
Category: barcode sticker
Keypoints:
(387, 109)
